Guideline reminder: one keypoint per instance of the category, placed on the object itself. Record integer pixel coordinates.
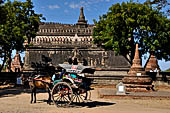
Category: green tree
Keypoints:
(19, 23)
(160, 5)
(126, 24)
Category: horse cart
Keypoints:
(71, 86)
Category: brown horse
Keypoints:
(40, 82)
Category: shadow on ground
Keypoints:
(10, 91)
(13, 91)
(92, 104)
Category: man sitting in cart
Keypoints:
(57, 76)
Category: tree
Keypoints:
(1, 1)
(168, 70)
(19, 23)
(161, 4)
(126, 24)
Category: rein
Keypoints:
(37, 78)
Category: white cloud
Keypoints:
(66, 11)
(80, 4)
(73, 5)
(65, 3)
(53, 6)
(97, 1)
(84, 3)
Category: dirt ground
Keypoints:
(13, 100)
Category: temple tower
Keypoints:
(136, 65)
(82, 23)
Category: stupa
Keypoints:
(152, 64)
(137, 80)
(16, 64)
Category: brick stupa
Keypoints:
(137, 80)
(16, 64)
(152, 64)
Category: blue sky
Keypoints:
(67, 12)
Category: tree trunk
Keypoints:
(9, 61)
(128, 59)
(133, 47)
(2, 66)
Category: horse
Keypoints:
(40, 82)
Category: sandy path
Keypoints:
(19, 103)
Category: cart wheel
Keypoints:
(81, 97)
(62, 94)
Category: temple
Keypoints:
(62, 42)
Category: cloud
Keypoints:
(80, 4)
(84, 3)
(73, 5)
(66, 11)
(65, 3)
(53, 6)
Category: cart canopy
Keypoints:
(77, 68)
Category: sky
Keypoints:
(68, 11)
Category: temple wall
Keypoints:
(97, 58)
(64, 30)
(61, 47)
(62, 39)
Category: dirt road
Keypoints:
(18, 101)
